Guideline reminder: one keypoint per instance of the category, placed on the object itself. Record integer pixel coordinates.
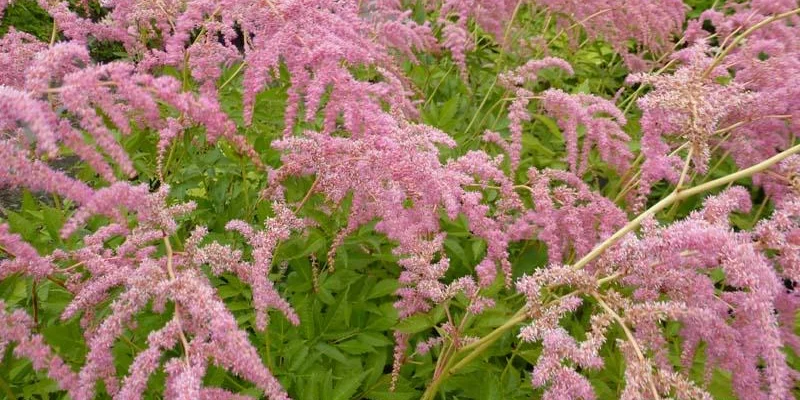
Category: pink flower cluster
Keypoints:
(147, 274)
(651, 25)
(732, 291)
(518, 110)
(738, 325)
(739, 98)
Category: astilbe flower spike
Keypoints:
(673, 262)
(652, 25)
(25, 258)
(691, 104)
(397, 30)
(781, 234)
(380, 190)
(567, 215)
(20, 169)
(604, 133)
(16, 327)
(221, 258)
(518, 113)
(558, 346)
(761, 67)
(454, 16)
(315, 40)
(63, 76)
(643, 375)
(668, 269)
(200, 321)
(17, 49)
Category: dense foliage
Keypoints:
(391, 199)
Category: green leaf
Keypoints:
(383, 288)
(332, 352)
(355, 347)
(550, 124)
(454, 247)
(415, 323)
(447, 112)
(53, 220)
(373, 339)
(22, 225)
(399, 394)
(298, 357)
(347, 387)
(311, 247)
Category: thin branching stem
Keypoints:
(680, 194)
(631, 339)
(171, 273)
(735, 42)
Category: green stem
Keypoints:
(7, 388)
(233, 75)
(35, 305)
(760, 210)
(680, 194)
(475, 349)
(165, 168)
(246, 191)
(631, 339)
(438, 85)
(53, 34)
(745, 34)
(480, 107)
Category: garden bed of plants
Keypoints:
(395, 199)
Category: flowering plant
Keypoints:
(391, 199)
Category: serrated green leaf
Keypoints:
(383, 288)
(347, 387)
(415, 324)
(355, 347)
(332, 352)
(53, 221)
